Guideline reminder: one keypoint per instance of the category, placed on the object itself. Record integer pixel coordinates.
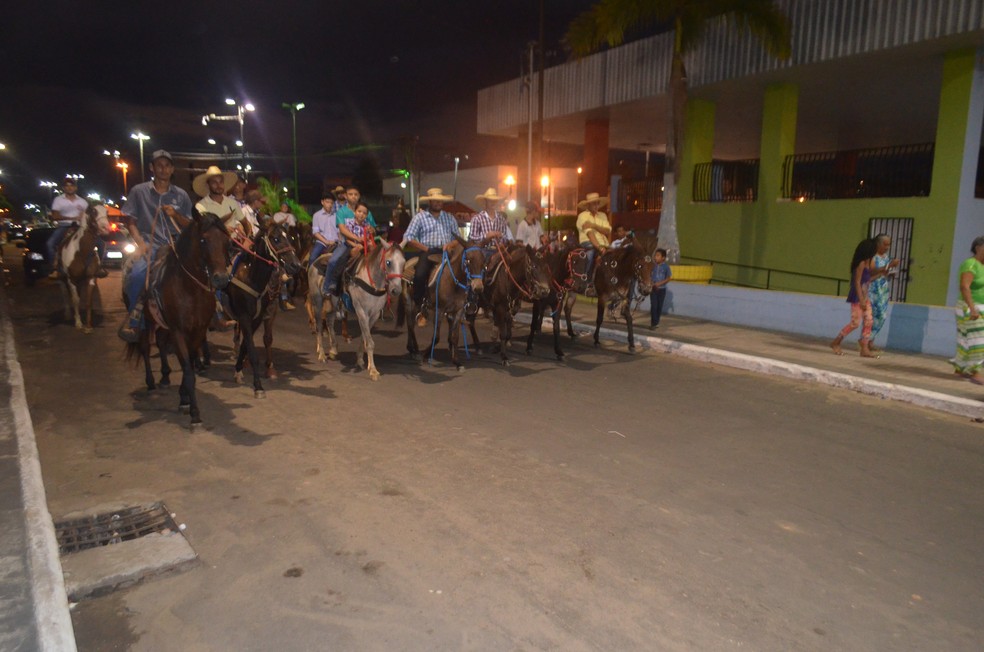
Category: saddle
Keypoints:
(411, 266)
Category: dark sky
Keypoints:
(81, 76)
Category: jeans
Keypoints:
(135, 287)
(421, 273)
(316, 251)
(335, 266)
(53, 241)
(656, 299)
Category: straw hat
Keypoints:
(434, 194)
(592, 196)
(200, 184)
(490, 195)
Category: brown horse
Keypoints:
(78, 264)
(560, 299)
(511, 276)
(254, 293)
(620, 274)
(453, 283)
(181, 304)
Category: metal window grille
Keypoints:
(726, 181)
(900, 171)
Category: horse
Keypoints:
(321, 310)
(78, 264)
(618, 275)
(562, 264)
(254, 296)
(181, 304)
(377, 277)
(454, 283)
(302, 241)
(514, 275)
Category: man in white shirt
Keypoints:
(529, 231)
(284, 216)
(211, 187)
(68, 210)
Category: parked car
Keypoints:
(36, 261)
(119, 245)
(17, 232)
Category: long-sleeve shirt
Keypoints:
(482, 224)
(323, 222)
(432, 231)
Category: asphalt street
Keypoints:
(609, 502)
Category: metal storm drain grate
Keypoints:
(121, 525)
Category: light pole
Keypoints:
(240, 117)
(294, 108)
(457, 160)
(140, 136)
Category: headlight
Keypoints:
(130, 248)
(35, 256)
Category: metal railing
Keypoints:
(726, 181)
(898, 171)
(767, 278)
(644, 196)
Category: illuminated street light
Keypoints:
(2, 146)
(140, 136)
(124, 167)
(211, 141)
(294, 108)
(240, 117)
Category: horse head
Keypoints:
(642, 266)
(214, 242)
(538, 273)
(279, 247)
(473, 266)
(393, 262)
(97, 219)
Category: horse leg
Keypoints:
(413, 348)
(474, 334)
(602, 300)
(536, 323)
(328, 317)
(162, 343)
(556, 330)
(145, 355)
(188, 384)
(90, 286)
(247, 328)
(506, 334)
(569, 300)
(271, 373)
(311, 311)
(627, 314)
(74, 293)
(454, 326)
(66, 297)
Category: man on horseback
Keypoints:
(489, 227)
(67, 210)
(593, 229)
(431, 231)
(210, 186)
(154, 212)
(529, 231)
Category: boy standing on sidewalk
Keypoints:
(661, 276)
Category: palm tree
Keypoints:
(607, 22)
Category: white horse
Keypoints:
(77, 262)
(377, 276)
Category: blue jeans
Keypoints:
(335, 266)
(316, 251)
(53, 241)
(135, 287)
(656, 299)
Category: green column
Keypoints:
(698, 147)
(778, 138)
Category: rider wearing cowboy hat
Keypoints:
(489, 227)
(593, 228)
(211, 187)
(432, 230)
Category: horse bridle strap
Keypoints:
(506, 266)
(369, 288)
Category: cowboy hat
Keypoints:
(491, 195)
(592, 196)
(338, 189)
(435, 194)
(200, 184)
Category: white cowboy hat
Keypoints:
(435, 194)
(491, 195)
(592, 196)
(200, 184)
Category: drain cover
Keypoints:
(117, 526)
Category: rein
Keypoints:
(507, 266)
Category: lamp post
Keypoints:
(457, 160)
(140, 136)
(240, 117)
(294, 108)
(510, 182)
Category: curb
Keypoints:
(51, 612)
(955, 405)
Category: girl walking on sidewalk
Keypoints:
(970, 327)
(861, 274)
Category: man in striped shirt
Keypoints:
(489, 227)
(432, 230)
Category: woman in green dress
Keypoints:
(970, 327)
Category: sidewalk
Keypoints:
(924, 380)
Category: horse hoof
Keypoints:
(86, 330)
(597, 344)
(195, 426)
(560, 357)
(632, 349)
(374, 376)
(238, 377)
(185, 409)
(272, 374)
(164, 383)
(259, 393)
(506, 363)
(460, 369)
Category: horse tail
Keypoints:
(133, 354)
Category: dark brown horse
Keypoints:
(512, 275)
(619, 275)
(254, 294)
(181, 304)
(560, 264)
(78, 265)
(454, 282)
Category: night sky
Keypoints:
(80, 77)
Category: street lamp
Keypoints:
(294, 108)
(140, 136)
(124, 167)
(457, 160)
(240, 117)
(510, 182)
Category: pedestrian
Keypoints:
(878, 289)
(661, 276)
(211, 187)
(155, 211)
(284, 216)
(489, 227)
(594, 231)
(970, 327)
(529, 231)
(431, 231)
(861, 271)
(67, 210)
